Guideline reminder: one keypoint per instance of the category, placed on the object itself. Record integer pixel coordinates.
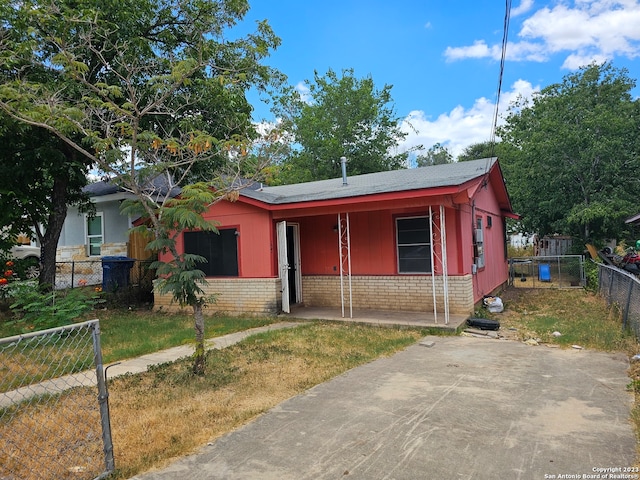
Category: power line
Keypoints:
(505, 36)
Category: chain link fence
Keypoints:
(131, 280)
(622, 289)
(558, 271)
(54, 412)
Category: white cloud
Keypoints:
(574, 62)
(479, 49)
(586, 31)
(524, 7)
(460, 127)
(303, 90)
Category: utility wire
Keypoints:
(505, 36)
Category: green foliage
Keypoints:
(476, 151)
(338, 116)
(50, 309)
(570, 155)
(182, 280)
(436, 155)
(149, 91)
(39, 177)
(591, 273)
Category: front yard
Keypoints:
(168, 412)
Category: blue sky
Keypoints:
(442, 58)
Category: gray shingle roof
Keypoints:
(157, 185)
(452, 174)
(101, 188)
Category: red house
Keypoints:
(428, 239)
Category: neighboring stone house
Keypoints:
(85, 237)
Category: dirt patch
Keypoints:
(520, 305)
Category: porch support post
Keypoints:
(433, 265)
(440, 228)
(344, 249)
(445, 268)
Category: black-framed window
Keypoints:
(220, 249)
(414, 245)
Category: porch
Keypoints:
(385, 318)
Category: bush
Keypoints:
(50, 309)
(591, 274)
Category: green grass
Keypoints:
(127, 334)
(131, 334)
(582, 318)
(594, 333)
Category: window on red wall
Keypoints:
(220, 250)
(413, 244)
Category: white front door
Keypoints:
(283, 264)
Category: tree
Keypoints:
(436, 155)
(146, 90)
(339, 116)
(480, 150)
(572, 155)
(39, 177)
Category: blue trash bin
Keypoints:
(544, 272)
(115, 272)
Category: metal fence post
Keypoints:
(625, 315)
(610, 286)
(73, 271)
(103, 400)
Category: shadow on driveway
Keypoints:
(465, 408)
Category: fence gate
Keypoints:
(54, 411)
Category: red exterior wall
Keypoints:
(373, 242)
(495, 272)
(256, 239)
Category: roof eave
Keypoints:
(355, 200)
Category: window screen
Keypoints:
(220, 250)
(414, 245)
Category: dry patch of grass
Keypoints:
(67, 429)
(167, 412)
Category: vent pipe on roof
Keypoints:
(343, 160)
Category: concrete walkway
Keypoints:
(140, 364)
(134, 365)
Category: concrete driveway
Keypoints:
(464, 408)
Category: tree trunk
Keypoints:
(199, 357)
(49, 239)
